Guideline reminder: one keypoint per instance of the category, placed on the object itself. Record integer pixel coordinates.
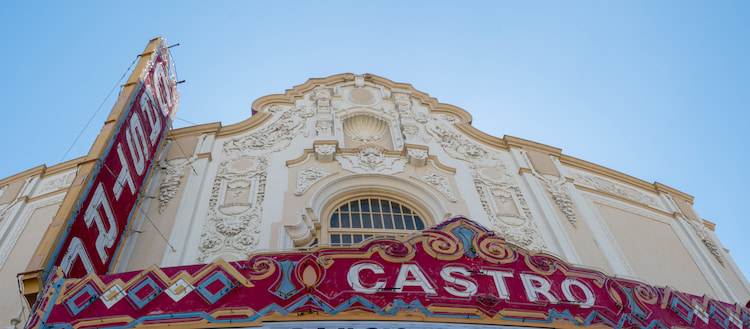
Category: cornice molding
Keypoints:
(63, 166)
(301, 159)
(607, 173)
(611, 196)
(253, 122)
(709, 225)
(206, 128)
(674, 193)
(436, 162)
(38, 170)
(482, 137)
(655, 187)
(515, 142)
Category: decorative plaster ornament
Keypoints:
(456, 145)
(437, 182)
(500, 196)
(700, 230)
(175, 170)
(416, 157)
(508, 212)
(325, 152)
(309, 176)
(371, 158)
(615, 189)
(365, 128)
(274, 137)
(171, 184)
(235, 207)
(321, 98)
(323, 127)
(559, 194)
(326, 149)
(236, 202)
(56, 183)
(402, 100)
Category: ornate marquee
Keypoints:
(457, 272)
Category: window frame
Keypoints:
(415, 207)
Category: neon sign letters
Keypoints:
(455, 272)
(97, 228)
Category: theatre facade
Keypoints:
(348, 201)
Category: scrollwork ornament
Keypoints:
(305, 112)
(494, 249)
(541, 264)
(371, 155)
(646, 294)
(169, 187)
(628, 294)
(442, 245)
(261, 268)
(397, 251)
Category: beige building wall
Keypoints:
(654, 250)
(28, 202)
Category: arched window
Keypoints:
(355, 220)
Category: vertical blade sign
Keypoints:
(99, 223)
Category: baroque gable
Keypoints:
(367, 126)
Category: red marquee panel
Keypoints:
(99, 222)
(456, 272)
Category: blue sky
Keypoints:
(659, 90)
